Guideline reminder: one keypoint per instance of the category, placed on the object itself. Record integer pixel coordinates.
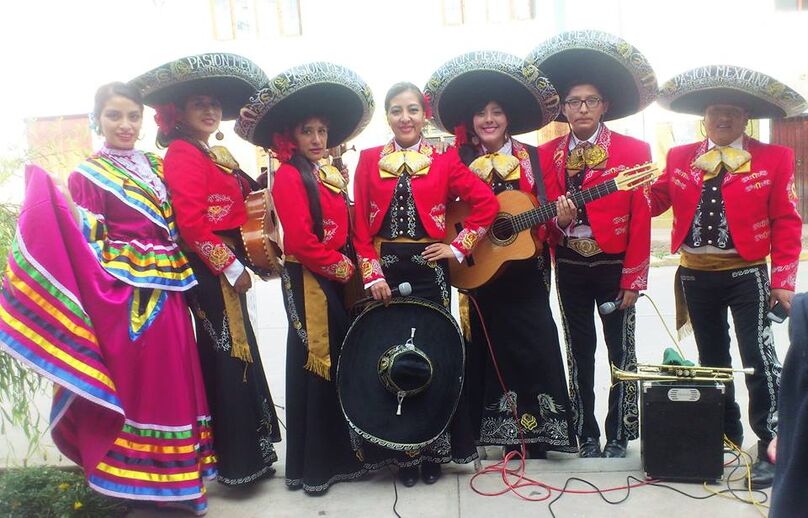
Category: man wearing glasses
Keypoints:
(603, 248)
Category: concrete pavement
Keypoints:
(452, 496)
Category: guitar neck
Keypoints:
(548, 211)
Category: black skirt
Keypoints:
(402, 262)
(245, 424)
(516, 311)
(318, 444)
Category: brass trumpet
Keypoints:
(652, 372)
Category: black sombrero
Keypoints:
(326, 89)
(230, 78)
(464, 83)
(619, 70)
(762, 96)
(400, 373)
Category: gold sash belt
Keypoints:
(315, 306)
(240, 348)
(705, 263)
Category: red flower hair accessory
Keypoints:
(427, 106)
(166, 117)
(283, 146)
(461, 134)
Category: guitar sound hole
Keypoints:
(502, 232)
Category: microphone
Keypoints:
(610, 307)
(404, 290)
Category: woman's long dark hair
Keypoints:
(305, 168)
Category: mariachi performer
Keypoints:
(300, 114)
(734, 203)
(484, 97)
(96, 306)
(401, 190)
(603, 247)
(192, 96)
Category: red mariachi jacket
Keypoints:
(761, 205)
(621, 221)
(206, 199)
(446, 179)
(299, 240)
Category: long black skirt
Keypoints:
(245, 424)
(402, 262)
(318, 444)
(516, 311)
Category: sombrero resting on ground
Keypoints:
(400, 373)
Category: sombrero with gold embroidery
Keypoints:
(230, 78)
(761, 95)
(620, 71)
(323, 89)
(400, 373)
(467, 82)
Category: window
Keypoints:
(453, 12)
(791, 5)
(471, 12)
(253, 19)
(523, 9)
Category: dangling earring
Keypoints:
(219, 135)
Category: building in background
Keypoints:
(385, 41)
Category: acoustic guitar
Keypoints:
(509, 238)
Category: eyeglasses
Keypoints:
(591, 102)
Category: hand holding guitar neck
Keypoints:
(336, 153)
(509, 237)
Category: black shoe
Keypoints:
(408, 476)
(537, 451)
(762, 472)
(430, 472)
(590, 448)
(615, 449)
(512, 447)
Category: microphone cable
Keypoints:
(665, 325)
(522, 481)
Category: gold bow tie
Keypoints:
(222, 157)
(586, 155)
(404, 161)
(332, 178)
(734, 160)
(506, 167)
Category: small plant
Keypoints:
(18, 385)
(46, 492)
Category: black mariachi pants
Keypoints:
(745, 292)
(583, 283)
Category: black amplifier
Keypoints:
(682, 430)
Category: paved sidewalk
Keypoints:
(451, 496)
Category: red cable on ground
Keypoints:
(501, 467)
